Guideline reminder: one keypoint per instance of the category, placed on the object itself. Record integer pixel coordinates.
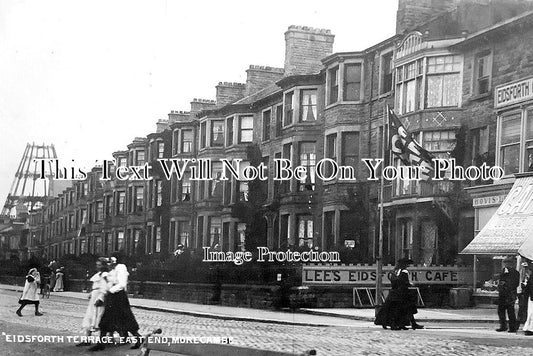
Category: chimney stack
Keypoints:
(178, 116)
(413, 13)
(198, 105)
(259, 77)
(304, 49)
(228, 92)
(161, 125)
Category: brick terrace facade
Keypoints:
(438, 72)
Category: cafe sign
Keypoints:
(366, 275)
(512, 93)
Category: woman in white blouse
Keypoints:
(117, 314)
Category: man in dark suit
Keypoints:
(509, 281)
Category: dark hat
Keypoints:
(405, 261)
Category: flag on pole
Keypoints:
(405, 147)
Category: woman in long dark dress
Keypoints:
(400, 305)
(117, 314)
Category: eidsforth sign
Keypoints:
(514, 92)
(366, 275)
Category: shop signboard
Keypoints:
(358, 275)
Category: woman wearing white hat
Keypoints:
(59, 281)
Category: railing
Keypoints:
(417, 189)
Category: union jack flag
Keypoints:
(405, 147)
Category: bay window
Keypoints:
(438, 85)
(516, 141)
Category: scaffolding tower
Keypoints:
(29, 189)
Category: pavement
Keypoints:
(309, 316)
(254, 332)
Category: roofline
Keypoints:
(494, 28)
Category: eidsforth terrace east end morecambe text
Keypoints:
(326, 169)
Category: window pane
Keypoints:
(434, 91)
(410, 96)
(451, 89)
(229, 125)
(511, 129)
(217, 133)
(510, 157)
(529, 125)
(186, 141)
(308, 105)
(352, 82)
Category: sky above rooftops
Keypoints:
(90, 76)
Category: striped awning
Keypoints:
(510, 230)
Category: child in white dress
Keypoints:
(96, 299)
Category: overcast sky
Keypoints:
(89, 76)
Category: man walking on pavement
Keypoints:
(509, 281)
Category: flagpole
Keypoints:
(379, 259)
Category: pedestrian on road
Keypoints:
(523, 298)
(52, 267)
(117, 314)
(400, 306)
(509, 282)
(528, 291)
(30, 293)
(95, 308)
(59, 281)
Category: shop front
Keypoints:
(503, 213)
(505, 219)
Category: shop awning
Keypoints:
(510, 230)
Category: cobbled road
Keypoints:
(64, 314)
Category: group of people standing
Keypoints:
(400, 305)
(508, 287)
